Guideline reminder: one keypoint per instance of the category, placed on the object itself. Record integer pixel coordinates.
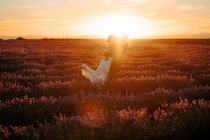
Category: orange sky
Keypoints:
(137, 18)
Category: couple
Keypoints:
(110, 65)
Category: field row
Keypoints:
(176, 119)
(21, 111)
(124, 85)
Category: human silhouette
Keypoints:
(116, 50)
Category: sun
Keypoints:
(122, 24)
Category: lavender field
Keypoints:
(161, 92)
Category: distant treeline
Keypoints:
(173, 41)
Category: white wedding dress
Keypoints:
(98, 76)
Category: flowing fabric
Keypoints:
(99, 75)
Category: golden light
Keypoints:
(122, 24)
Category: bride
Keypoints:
(100, 75)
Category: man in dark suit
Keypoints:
(117, 48)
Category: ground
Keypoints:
(161, 92)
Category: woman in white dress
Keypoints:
(100, 75)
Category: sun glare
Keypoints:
(133, 27)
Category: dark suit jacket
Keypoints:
(116, 52)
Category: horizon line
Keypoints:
(170, 36)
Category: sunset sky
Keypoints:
(137, 18)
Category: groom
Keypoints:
(117, 48)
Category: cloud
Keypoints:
(188, 8)
(149, 1)
(107, 1)
(134, 1)
(165, 1)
